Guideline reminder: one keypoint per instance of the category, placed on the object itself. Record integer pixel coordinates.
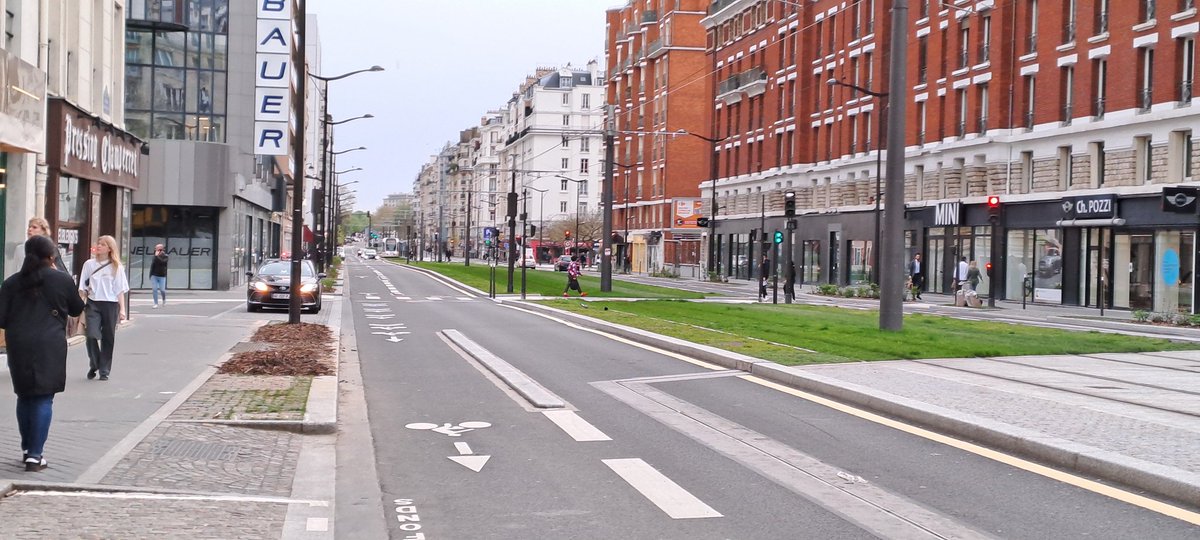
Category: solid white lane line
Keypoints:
(578, 428)
(660, 490)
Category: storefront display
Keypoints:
(188, 235)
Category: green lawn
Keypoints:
(548, 283)
(779, 333)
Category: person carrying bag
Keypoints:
(103, 285)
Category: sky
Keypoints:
(447, 62)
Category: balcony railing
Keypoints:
(1099, 113)
(1031, 43)
(984, 51)
(983, 125)
(1069, 32)
(964, 58)
(654, 47)
(1029, 120)
(1067, 113)
(920, 137)
(922, 76)
(1102, 22)
(1185, 92)
(1145, 99)
(1185, 5)
(1149, 10)
(650, 16)
(962, 128)
(746, 81)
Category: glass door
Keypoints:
(934, 260)
(1141, 271)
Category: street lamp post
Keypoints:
(295, 302)
(882, 96)
(335, 212)
(891, 301)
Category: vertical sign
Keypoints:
(273, 78)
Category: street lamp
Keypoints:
(348, 150)
(882, 96)
(351, 119)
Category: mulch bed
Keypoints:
(296, 349)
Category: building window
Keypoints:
(985, 39)
(1068, 94)
(1187, 68)
(854, 134)
(1030, 87)
(1101, 17)
(1069, 22)
(1031, 22)
(1099, 86)
(566, 164)
(1097, 152)
(920, 174)
(1145, 90)
(566, 99)
(867, 122)
(566, 119)
(566, 143)
(585, 145)
(586, 101)
(964, 44)
(562, 205)
(923, 12)
(1180, 156)
(1065, 164)
(1143, 164)
(9, 24)
(1147, 10)
(1027, 171)
(983, 108)
(583, 166)
(922, 60)
(961, 96)
(921, 121)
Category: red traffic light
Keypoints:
(993, 201)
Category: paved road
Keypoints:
(654, 446)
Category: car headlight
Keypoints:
(308, 287)
(261, 286)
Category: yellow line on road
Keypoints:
(1153, 505)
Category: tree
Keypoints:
(354, 223)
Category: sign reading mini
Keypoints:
(947, 213)
(273, 78)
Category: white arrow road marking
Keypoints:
(387, 326)
(377, 310)
(660, 490)
(394, 339)
(373, 305)
(378, 317)
(463, 448)
(578, 428)
(390, 333)
(374, 298)
(433, 298)
(475, 463)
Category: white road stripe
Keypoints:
(578, 428)
(317, 525)
(433, 298)
(403, 298)
(463, 448)
(660, 490)
(468, 298)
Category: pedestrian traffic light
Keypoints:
(993, 205)
(778, 237)
(567, 235)
(532, 230)
(988, 268)
(789, 203)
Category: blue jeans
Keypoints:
(159, 286)
(33, 421)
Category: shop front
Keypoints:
(22, 138)
(92, 171)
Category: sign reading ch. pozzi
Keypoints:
(273, 77)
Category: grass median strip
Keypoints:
(548, 283)
(782, 334)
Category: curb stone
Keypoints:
(1169, 482)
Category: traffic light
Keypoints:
(988, 268)
(532, 230)
(789, 203)
(993, 205)
(778, 237)
(567, 235)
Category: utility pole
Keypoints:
(512, 225)
(606, 203)
(295, 301)
(891, 301)
(441, 233)
(467, 245)
(524, 235)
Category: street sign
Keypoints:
(702, 222)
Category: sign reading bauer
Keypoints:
(273, 77)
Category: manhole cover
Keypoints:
(196, 450)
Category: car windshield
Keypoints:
(285, 269)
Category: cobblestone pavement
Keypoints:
(1078, 407)
(211, 458)
(247, 397)
(41, 515)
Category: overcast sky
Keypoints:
(448, 62)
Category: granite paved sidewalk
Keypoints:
(1129, 418)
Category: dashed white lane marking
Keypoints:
(403, 298)
(433, 298)
(660, 490)
(575, 426)
(317, 525)
(466, 298)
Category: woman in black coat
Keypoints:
(34, 305)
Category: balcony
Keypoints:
(655, 49)
(751, 82)
(650, 17)
(718, 5)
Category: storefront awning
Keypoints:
(1109, 222)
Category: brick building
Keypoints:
(1015, 99)
(658, 85)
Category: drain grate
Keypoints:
(197, 450)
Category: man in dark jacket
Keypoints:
(34, 305)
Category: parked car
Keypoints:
(270, 286)
(371, 254)
(563, 262)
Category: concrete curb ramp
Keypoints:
(1169, 482)
(530, 390)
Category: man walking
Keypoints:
(960, 273)
(158, 275)
(915, 272)
(764, 272)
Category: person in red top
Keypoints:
(573, 271)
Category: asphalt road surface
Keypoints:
(651, 445)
